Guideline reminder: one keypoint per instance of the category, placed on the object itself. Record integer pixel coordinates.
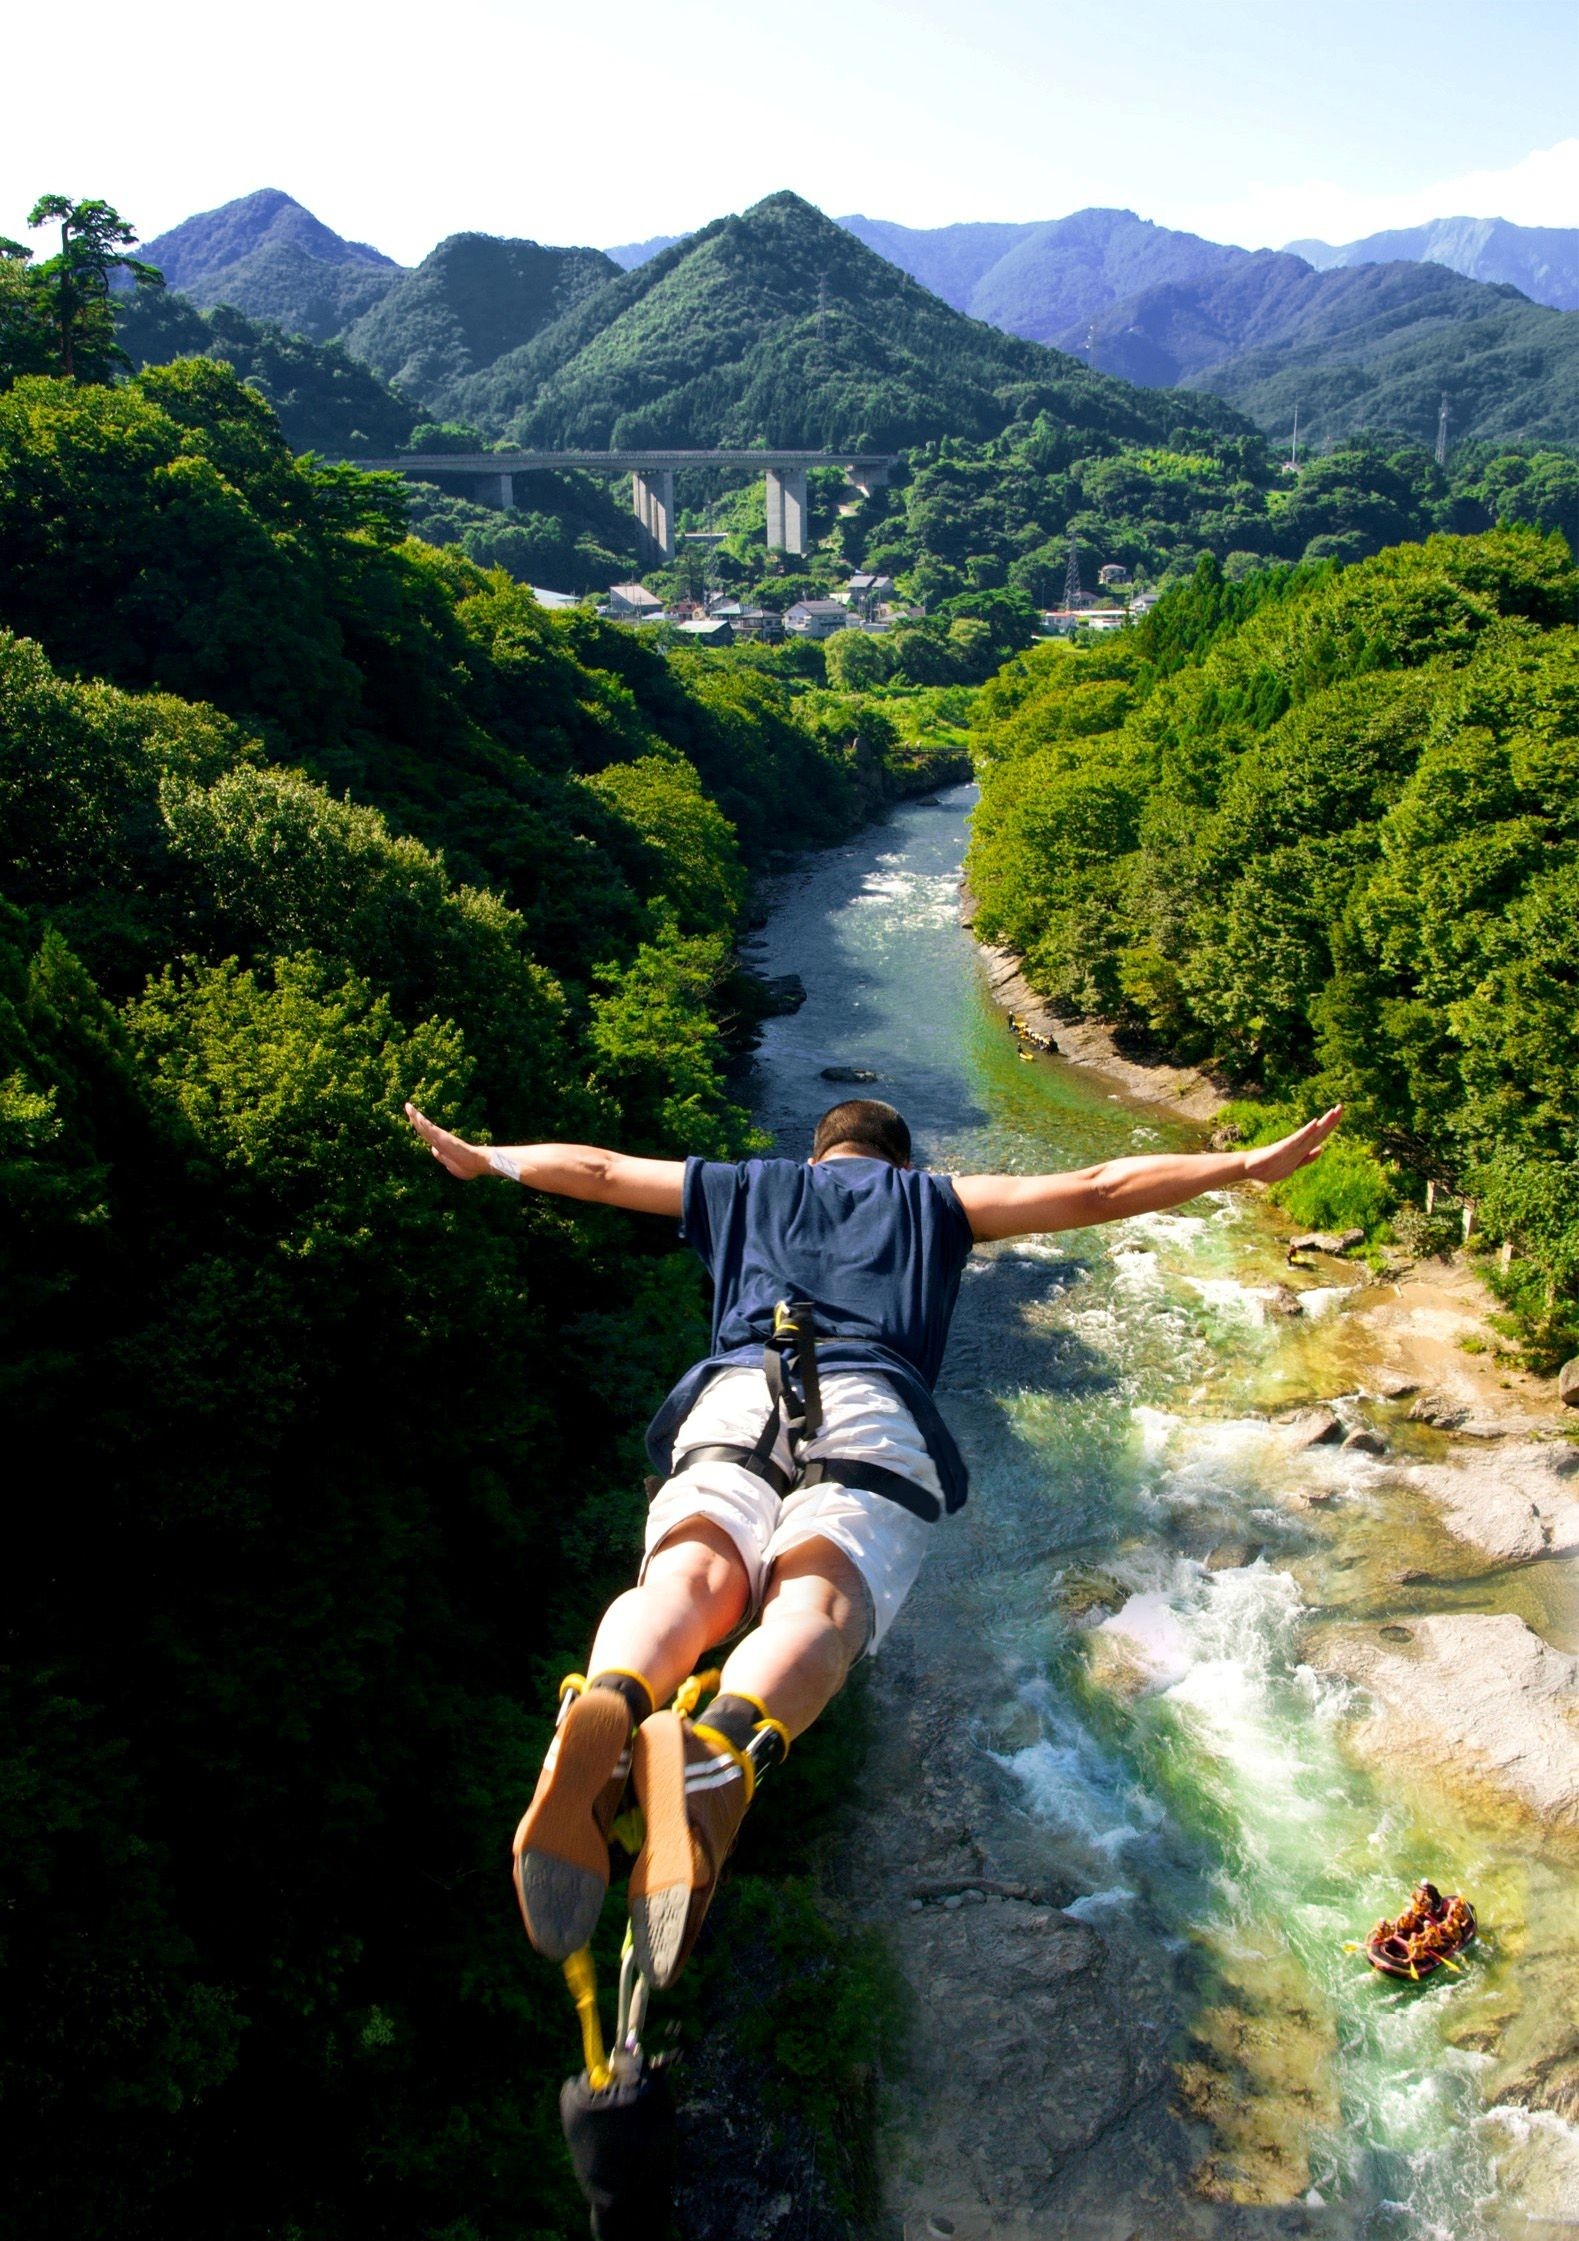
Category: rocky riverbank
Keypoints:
(1184, 1090)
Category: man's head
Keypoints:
(866, 1125)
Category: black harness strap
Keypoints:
(795, 1334)
(747, 1457)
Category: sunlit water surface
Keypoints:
(1182, 1765)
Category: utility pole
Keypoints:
(1072, 575)
(1293, 451)
(1441, 434)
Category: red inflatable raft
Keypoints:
(1428, 1935)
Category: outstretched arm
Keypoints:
(645, 1186)
(1013, 1205)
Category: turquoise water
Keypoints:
(1175, 1758)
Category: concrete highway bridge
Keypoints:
(652, 474)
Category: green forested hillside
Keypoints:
(326, 400)
(573, 533)
(779, 327)
(330, 1460)
(973, 516)
(1319, 828)
(471, 300)
(1373, 346)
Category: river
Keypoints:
(1111, 1819)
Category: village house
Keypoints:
(1059, 622)
(708, 630)
(1114, 573)
(631, 603)
(866, 591)
(815, 618)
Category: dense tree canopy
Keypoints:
(335, 1459)
(1318, 828)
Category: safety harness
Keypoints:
(789, 1363)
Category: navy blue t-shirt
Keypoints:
(877, 1250)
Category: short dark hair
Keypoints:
(866, 1121)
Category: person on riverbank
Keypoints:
(803, 1468)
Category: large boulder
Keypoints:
(1519, 1504)
(1474, 1700)
(1568, 1383)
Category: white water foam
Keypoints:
(1135, 1270)
(913, 899)
(1091, 1906)
(1076, 1787)
(1178, 1230)
(1236, 1302)
(1155, 1634)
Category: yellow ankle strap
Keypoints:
(764, 1716)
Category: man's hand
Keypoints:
(453, 1153)
(1270, 1163)
(585, 1171)
(1022, 1205)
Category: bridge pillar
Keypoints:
(786, 494)
(866, 479)
(652, 500)
(496, 490)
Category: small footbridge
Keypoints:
(492, 475)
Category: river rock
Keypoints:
(1309, 1427)
(1519, 1504)
(1476, 1698)
(847, 1074)
(1391, 1386)
(785, 992)
(1366, 1442)
(1441, 1415)
(1082, 1589)
(1282, 1299)
(1327, 1241)
(1568, 1383)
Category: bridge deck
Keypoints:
(612, 462)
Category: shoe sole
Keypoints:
(561, 1855)
(664, 1878)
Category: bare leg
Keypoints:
(695, 1592)
(814, 1620)
(813, 1628)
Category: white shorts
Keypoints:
(863, 1419)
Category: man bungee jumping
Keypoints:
(803, 1467)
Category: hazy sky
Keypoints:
(1253, 121)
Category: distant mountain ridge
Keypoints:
(1542, 261)
(1375, 345)
(1040, 280)
(1018, 275)
(270, 257)
(777, 326)
(479, 329)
